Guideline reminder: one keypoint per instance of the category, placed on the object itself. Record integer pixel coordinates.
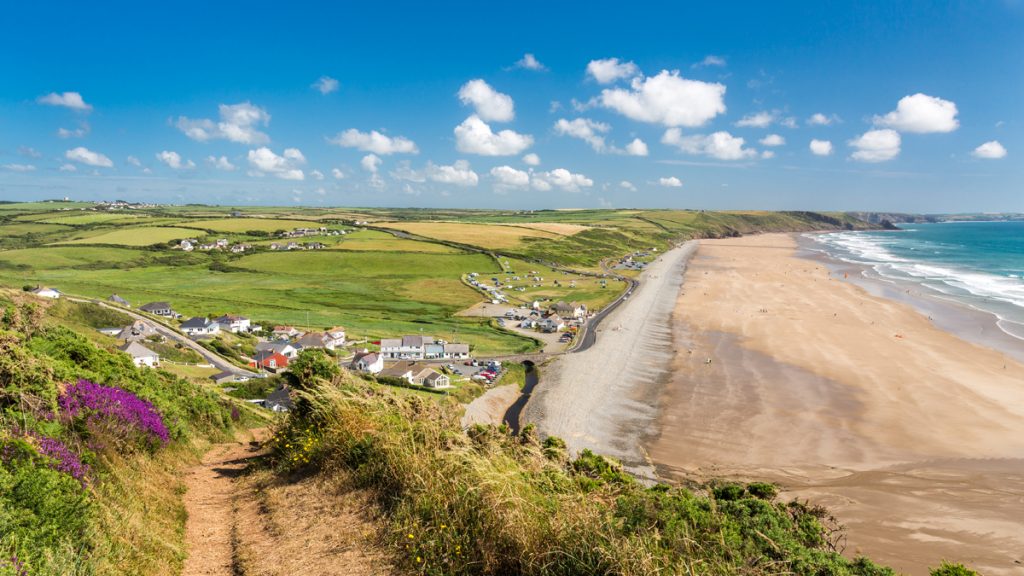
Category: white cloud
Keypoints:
(530, 62)
(490, 105)
(758, 120)
(264, 161)
(326, 85)
(710, 60)
(789, 122)
(773, 140)
(80, 132)
(221, 163)
(531, 159)
(560, 178)
(238, 123)
(627, 185)
(370, 163)
(767, 154)
(19, 167)
(474, 136)
(670, 182)
(667, 99)
(459, 174)
(173, 160)
(509, 177)
(819, 119)
(71, 100)
(992, 150)
(68, 168)
(29, 152)
(609, 70)
(338, 174)
(821, 147)
(921, 114)
(876, 146)
(85, 156)
(316, 175)
(375, 142)
(584, 129)
(636, 148)
(133, 161)
(720, 145)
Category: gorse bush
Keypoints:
(487, 502)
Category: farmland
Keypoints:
(400, 276)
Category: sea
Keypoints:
(975, 264)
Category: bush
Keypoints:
(950, 569)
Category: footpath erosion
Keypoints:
(244, 522)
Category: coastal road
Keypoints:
(217, 360)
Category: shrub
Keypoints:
(115, 413)
(950, 569)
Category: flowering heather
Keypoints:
(62, 459)
(107, 405)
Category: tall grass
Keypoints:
(486, 502)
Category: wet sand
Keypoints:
(911, 435)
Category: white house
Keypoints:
(315, 340)
(43, 292)
(234, 323)
(405, 348)
(200, 326)
(141, 356)
(552, 323)
(283, 348)
(456, 351)
(370, 362)
(429, 378)
(337, 336)
(401, 370)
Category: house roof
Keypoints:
(390, 342)
(433, 376)
(456, 348)
(366, 357)
(263, 355)
(232, 318)
(417, 341)
(196, 322)
(312, 340)
(222, 375)
(155, 306)
(399, 370)
(117, 299)
(136, 350)
(278, 346)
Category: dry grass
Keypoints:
(560, 228)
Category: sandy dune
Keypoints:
(913, 436)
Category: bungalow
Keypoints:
(429, 378)
(141, 356)
(223, 378)
(405, 348)
(158, 308)
(43, 292)
(283, 348)
(285, 332)
(552, 323)
(401, 370)
(200, 326)
(269, 360)
(138, 330)
(370, 362)
(456, 351)
(234, 323)
(118, 300)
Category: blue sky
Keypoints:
(639, 105)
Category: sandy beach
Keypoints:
(912, 436)
(600, 397)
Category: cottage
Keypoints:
(552, 323)
(315, 340)
(570, 310)
(221, 378)
(138, 330)
(337, 336)
(118, 300)
(456, 351)
(43, 292)
(269, 360)
(158, 308)
(141, 356)
(234, 323)
(285, 332)
(401, 370)
(200, 326)
(405, 348)
(369, 362)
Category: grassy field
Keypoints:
(482, 235)
(373, 283)
(142, 236)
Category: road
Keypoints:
(213, 358)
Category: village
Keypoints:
(257, 351)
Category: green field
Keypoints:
(142, 236)
(370, 281)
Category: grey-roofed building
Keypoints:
(118, 300)
(158, 308)
(141, 356)
(200, 326)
